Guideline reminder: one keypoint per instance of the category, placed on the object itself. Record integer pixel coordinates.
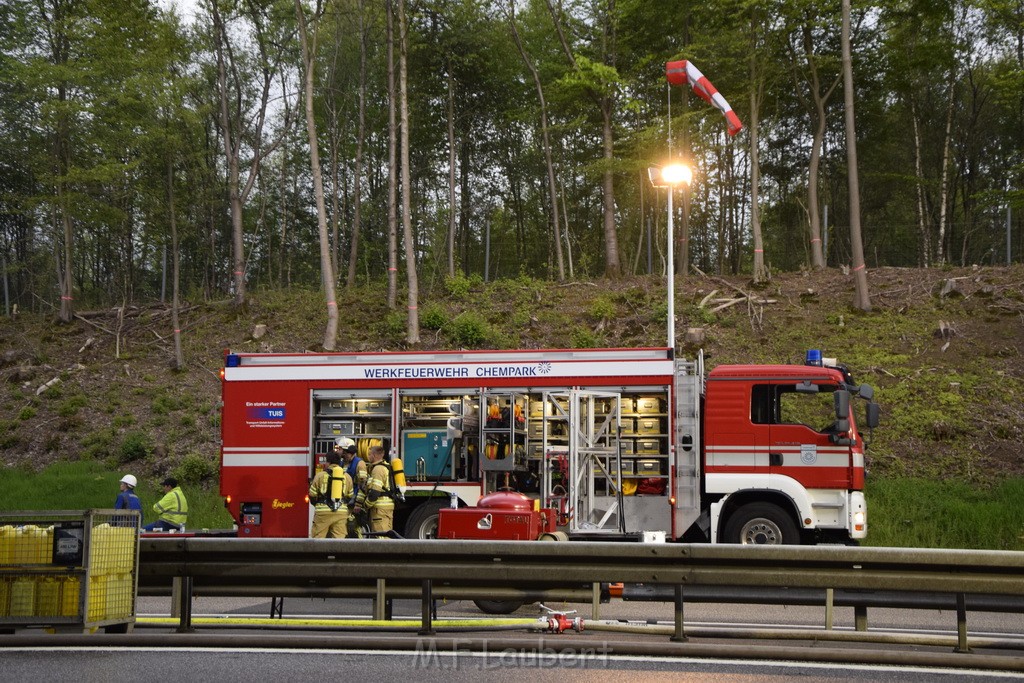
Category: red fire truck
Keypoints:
(602, 442)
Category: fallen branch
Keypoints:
(727, 304)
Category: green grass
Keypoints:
(85, 485)
(911, 513)
(924, 513)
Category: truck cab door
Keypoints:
(799, 443)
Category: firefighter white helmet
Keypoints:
(130, 480)
(343, 443)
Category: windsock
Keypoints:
(684, 72)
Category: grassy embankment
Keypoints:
(913, 513)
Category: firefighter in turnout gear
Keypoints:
(377, 498)
(329, 492)
(354, 465)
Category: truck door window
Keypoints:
(817, 410)
(761, 404)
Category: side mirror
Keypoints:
(866, 392)
(872, 413)
(842, 401)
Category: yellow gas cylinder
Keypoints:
(47, 597)
(7, 533)
(99, 549)
(399, 471)
(119, 596)
(23, 546)
(124, 545)
(70, 592)
(46, 545)
(96, 609)
(23, 596)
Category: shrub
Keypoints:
(165, 403)
(134, 446)
(392, 325)
(582, 338)
(433, 317)
(97, 445)
(601, 308)
(194, 468)
(457, 286)
(71, 405)
(122, 421)
(27, 413)
(469, 329)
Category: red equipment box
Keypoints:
(503, 516)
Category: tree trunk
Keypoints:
(612, 267)
(392, 166)
(179, 359)
(925, 259)
(862, 300)
(413, 325)
(944, 186)
(451, 172)
(327, 273)
(606, 105)
(549, 164)
(231, 154)
(756, 85)
(357, 182)
(818, 259)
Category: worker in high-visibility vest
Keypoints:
(172, 508)
(377, 498)
(329, 492)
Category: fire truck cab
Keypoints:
(614, 442)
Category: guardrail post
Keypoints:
(175, 597)
(427, 609)
(679, 636)
(185, 605)
(277, 607)
(830, 595)
(860, 618)
(961, 623)
(378, 602)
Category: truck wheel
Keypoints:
(422, 522)
(761, 524)
(498, 606)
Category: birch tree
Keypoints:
(307, 38)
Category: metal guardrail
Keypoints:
(306, 566)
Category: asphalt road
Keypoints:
(227, 666)
(249, 654)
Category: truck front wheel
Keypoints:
(761, 524)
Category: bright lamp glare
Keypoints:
(674, 174)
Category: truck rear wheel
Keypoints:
(498, 606)
(422, 522)
(761, 524)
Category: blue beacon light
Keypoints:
(814, 357)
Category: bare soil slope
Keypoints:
(944, 348)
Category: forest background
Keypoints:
(405, 162)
